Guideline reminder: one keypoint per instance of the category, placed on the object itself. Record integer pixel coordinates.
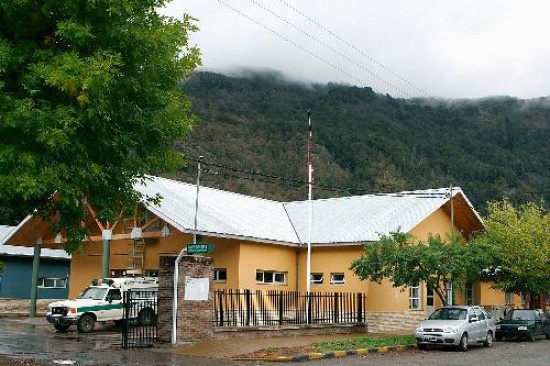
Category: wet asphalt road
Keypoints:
(25, 340)
(102, 347)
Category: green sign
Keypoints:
(200, 248)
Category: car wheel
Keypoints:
(488, 340)
(86, 323)
(61, 328)
(530, 337)
(463, 345)
(499, 337)
(146, 317)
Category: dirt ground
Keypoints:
(276, 352)
(8, 361)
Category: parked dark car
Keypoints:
(522, 323)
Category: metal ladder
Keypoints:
(138, 254)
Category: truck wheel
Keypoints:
(86, 323)
(488, 340)
(463, 345)
(146, 317)
(61, 328)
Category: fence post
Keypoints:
(336, 313)
(220, 294)
(359, 307)
(280, 307)
(248, 303)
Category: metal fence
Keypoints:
(139, 325)
(242, 308)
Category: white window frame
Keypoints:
(415, 297)
(509, 298)
(56, 282)
(334, 281)
(266, 277)
(316, 278)
(449, 293)
(217, 272)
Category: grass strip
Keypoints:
(363, 342)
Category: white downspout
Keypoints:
(175, 303)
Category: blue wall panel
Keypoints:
(15, 281)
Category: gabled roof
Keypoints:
(220, 213)
(21, 251)
(354, 219)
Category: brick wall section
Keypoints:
(165, 297)
(21, 307)
(394, 322)
(194, 321)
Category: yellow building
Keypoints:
(262, 244)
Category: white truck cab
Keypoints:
(101, 301)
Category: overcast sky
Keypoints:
(438, 48)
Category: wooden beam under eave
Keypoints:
(92, 212)
(144, 235)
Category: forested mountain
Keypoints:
(253, 136)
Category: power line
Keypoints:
(291, 181)
(286, 39)
(352, 46)
(331, 48)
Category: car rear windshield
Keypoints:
(520, 315)
(449, 314)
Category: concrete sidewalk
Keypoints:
(230, 348)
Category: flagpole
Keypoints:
(310, 214)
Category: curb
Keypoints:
(314, 356)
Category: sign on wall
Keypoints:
(197, 289)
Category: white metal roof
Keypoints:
(220, 213)
(5, 249)
(364, 218)
(338, 220)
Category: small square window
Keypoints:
(316, 278)
(337, 279)
(220, 274)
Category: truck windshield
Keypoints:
(94, 293)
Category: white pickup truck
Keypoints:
(102, 301)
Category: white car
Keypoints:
(457, 326)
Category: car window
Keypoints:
(115, 294)
(480, 314)
(520, 315)
(448, 314)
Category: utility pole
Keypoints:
(197, 199)
(310, 216)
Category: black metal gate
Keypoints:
(139, 325)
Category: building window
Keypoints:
(469, 294)
(270, 277)
(509, 298)
(414, 298)
(449, 292)
(337, 279)
(316, 278)
(52, 282)
(220, 274)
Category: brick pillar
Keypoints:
(195, 296)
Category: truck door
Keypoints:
(113, 305)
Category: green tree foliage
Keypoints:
(406, 263)
(89, 104)
(519, 242)
(375, 143)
